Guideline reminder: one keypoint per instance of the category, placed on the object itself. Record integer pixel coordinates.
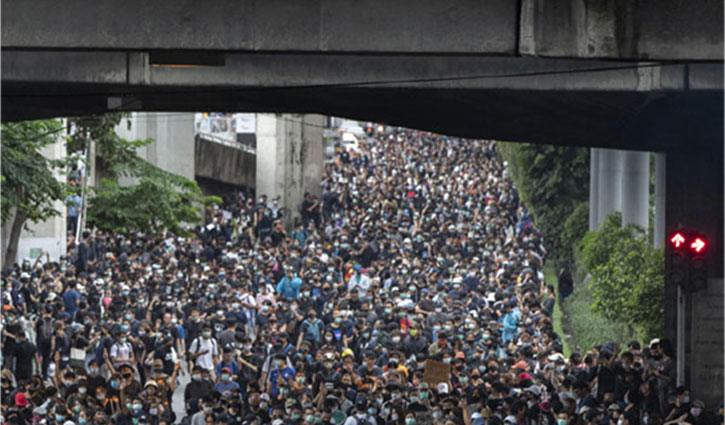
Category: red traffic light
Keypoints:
(698, 245)
(678, 239)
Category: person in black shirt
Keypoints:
(84, 253)
(95, 380)
(25, 354)
(197, 389)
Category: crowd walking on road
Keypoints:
(410, 292)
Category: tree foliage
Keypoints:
(575, 226)
(159, 199)
(553, 181)
(153, 203)
(29, 186)
(627, 276)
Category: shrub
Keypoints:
(587, 327)
(627, 276)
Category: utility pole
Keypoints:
(84, 197)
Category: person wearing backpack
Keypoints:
(44, 333)
(204, 351)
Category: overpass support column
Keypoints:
(635, 188)
(610, 183)
(660, 188)
(289, 159)
(593, 188)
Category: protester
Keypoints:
(410, 292)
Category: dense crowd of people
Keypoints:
(410, 292)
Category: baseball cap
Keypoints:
(21, 400)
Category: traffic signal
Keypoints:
(687, 265)
(678, 269)
(698, 263)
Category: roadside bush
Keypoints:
(627, 283)
(587, 327)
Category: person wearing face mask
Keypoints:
(311, 329)
(121, 351)
(225, 384)
(681, 403)
(204, 350)
(332, 342)
(196, 390)
(414, 343)
(258, 406)
(280, 375)
(206, 408)
(104, 402)
(562, 418)
(361, 416)
(697, 415)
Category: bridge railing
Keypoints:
(225, 129)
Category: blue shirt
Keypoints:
(233, 366)
(223, 387)
(288, 374)
(70, 297)
(74, 204)
(289, 288)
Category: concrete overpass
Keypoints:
(643, 75)
(606, 29)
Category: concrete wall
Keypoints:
(48, 236)
(173, 133)
(224, 164)
(289, 158)
(612, 29)
(706, 343)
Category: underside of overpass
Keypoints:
(625, 105)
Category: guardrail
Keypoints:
(216, 138)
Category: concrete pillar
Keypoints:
(289, 159)
(593, 188)
(610, 183)
(173, 147)
(270, 156)
(660, 190)
(635, 188)
(314, 155)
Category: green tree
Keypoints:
(153, 203)
(29, 186)
(553, 181)
(627, 276)
(159, 199)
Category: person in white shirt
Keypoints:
(249, 307)
(204, 350)
(359, 281)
